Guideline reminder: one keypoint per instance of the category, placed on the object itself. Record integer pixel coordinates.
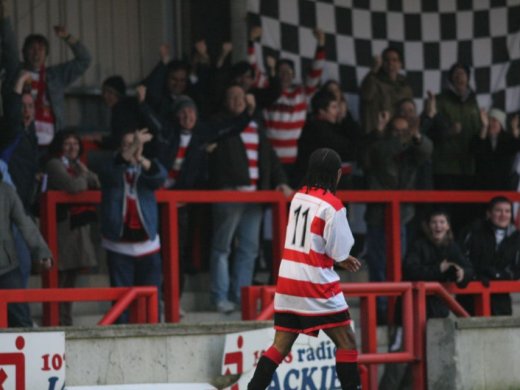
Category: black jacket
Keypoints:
(124, 116)
(229, 166)
(493, 166)
(344, 138)
(492, 262)
(167, 135)
(422, 263)
(21, 152)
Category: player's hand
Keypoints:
(351, 264)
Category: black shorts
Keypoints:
(310, 324)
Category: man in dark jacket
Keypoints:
(323, 131)
(493, 247)
(494, 150)
(391, 163)
(124, 110)
(244, 162)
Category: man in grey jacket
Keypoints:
(48, 83)
(12, 212)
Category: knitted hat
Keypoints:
(117, 84)
(499, 115)
(181, 102)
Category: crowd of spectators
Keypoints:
(210, 124)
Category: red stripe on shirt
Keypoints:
(288, 108)
(326, 197)
(312, 258)
(278, 125)
(304, 289)
(318, 226)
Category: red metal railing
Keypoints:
(394, 198)
(169, 201)
(142, 301)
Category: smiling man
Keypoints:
(493, 247)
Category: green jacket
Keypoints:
(12, 211)
(452, 154)
(379, 93)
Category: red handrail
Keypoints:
(123, 296)
(169, 232)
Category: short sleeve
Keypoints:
(338, 236)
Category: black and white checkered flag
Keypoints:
(432, 35)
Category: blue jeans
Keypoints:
(230, 219)
(127, 271)
(376, 259)
(18, 314)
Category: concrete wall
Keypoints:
(474, 353)
(144, 354)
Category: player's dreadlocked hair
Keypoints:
(322, 171)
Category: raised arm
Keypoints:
(313, 77)
(71, 70)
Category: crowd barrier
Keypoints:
(142, 301)
(168, 201)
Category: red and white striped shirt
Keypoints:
(318, 234)
(251, 141)
(285, 118)
(174, 171)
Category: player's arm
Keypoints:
(351, 264)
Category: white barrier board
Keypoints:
(32, 361)
(310, 365)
